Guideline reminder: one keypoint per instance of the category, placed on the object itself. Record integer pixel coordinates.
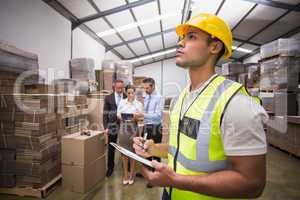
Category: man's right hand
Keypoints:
(138, 147)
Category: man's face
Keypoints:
(119, 87)
(148, 88)
(193, 49)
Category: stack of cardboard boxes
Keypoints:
(280, 75)
(279, 68)
(34, 123)
(109, 74)
(83, 160)
(13, 62)
(233, 70)
(82, 70)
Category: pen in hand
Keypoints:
(144, 140)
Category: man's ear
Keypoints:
(216, 47)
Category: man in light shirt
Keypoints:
(153, 111)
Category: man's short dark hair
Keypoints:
(222, 52)
(149, 80)
(118, 81)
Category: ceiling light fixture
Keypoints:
(174, 50)
(241, 49)
(136, 24)
(153, 55)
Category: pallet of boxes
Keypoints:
(83, 72)
(233, 70)
(280, 76)
(30, 149)
(109, 74)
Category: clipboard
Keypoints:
(132, 155)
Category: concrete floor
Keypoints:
(283, 183)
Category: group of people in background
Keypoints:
(122, 111)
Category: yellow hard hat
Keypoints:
(211, 24)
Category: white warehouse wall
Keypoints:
(33, 26)
(169, 78)
(110, 56)
(85, 46)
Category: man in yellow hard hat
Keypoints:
(217, 143)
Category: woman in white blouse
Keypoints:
(128, 129)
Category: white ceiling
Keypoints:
(259, 25)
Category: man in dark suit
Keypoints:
(111, 122)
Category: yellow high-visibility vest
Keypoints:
(195, 143)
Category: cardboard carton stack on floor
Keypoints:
(33, 119)
(233, 70)
(109, 73)
(83, 160)
(280, 74)
(82, 70)
(13, 59)
(279, 68)
(13, 62)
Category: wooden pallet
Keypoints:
(31, 192)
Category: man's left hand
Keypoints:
(163, 175)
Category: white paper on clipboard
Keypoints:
(132, 155)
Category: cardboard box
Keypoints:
(282, 46)
(7, 180)
(100, 79)
(81, 149)
(83, 178)
(280, 73)
(7, 154)
(35, 143)
(233, 68)
(13, 59)
(39, 156)
(7, 141)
